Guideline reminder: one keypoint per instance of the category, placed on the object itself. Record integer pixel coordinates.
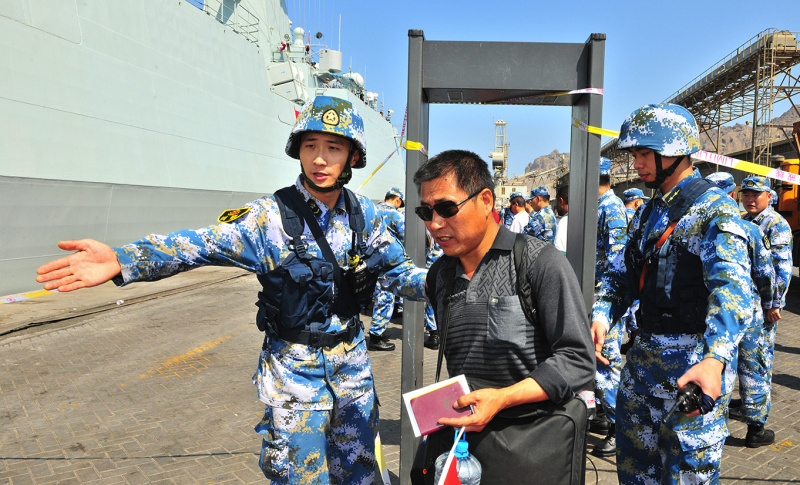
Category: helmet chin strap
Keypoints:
(344, 177)
(661, 173)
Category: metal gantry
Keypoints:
(748, 81)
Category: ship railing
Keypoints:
(235, 15)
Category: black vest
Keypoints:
(674, 297)
(305, 290)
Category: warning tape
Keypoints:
(576, 123)
(415, 145)
(715, 158)
(548, 95)
(744, 166)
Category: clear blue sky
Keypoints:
(652, 49)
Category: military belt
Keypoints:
(318, 340)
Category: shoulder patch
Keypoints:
(231, 215)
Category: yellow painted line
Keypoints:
(26, 296)
(173, 366)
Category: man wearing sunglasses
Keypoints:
(487, 335)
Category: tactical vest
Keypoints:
(666, 278)
(300, 296)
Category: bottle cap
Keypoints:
(462, 448)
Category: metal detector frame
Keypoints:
(458, 72)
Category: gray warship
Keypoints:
(124, 118)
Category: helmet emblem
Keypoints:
(330, 117)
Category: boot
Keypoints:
(379, 343)
(432, 340)
(607, 447)
(735, 413)
(758, 436)
(600, 424)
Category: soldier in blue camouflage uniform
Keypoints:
(506, 216)
(321, 410)
(432, 253)
(543, 221)
(688, 329)
(612, 226)
(757, 348)
(633, 199)
(384, 302)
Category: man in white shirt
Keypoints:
(521, 216)
(562, 209)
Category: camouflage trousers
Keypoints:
(754, 366)
(320, 447)
(688, 449)
(382, 312)
(607, 376)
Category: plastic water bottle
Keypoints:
(589, 399)
(467, 466)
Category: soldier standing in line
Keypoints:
(612, 225)
(521, 216)
(542, 222)
(432, 252)
(383, 307)
(687, 262)
(317, 249)
(633, 199)
(756, 383)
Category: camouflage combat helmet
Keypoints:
(667, 129)
(336, 116)
(723, 180)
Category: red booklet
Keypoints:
(427, 405)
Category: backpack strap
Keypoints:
(688, 195)
(448, 264)
(294, 211)
(523, 284)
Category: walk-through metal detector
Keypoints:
(457, 72)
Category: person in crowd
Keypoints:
(317, 249)
(488, 337)
(562, 209)
(384, 301)
(542, 222)
(687, 262)
(521, 216)
(758, 349)
(633, 199)
(612, 226)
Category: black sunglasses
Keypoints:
(446, 208)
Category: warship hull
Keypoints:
(119, 119)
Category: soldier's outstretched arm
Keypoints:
(92, 264)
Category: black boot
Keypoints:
(432, 340)
(600, 424)
(607, 447)
(757, 436)
(379, 343)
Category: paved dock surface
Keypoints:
(152, 384)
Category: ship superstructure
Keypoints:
(119, 118)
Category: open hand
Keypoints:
(94, 263)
